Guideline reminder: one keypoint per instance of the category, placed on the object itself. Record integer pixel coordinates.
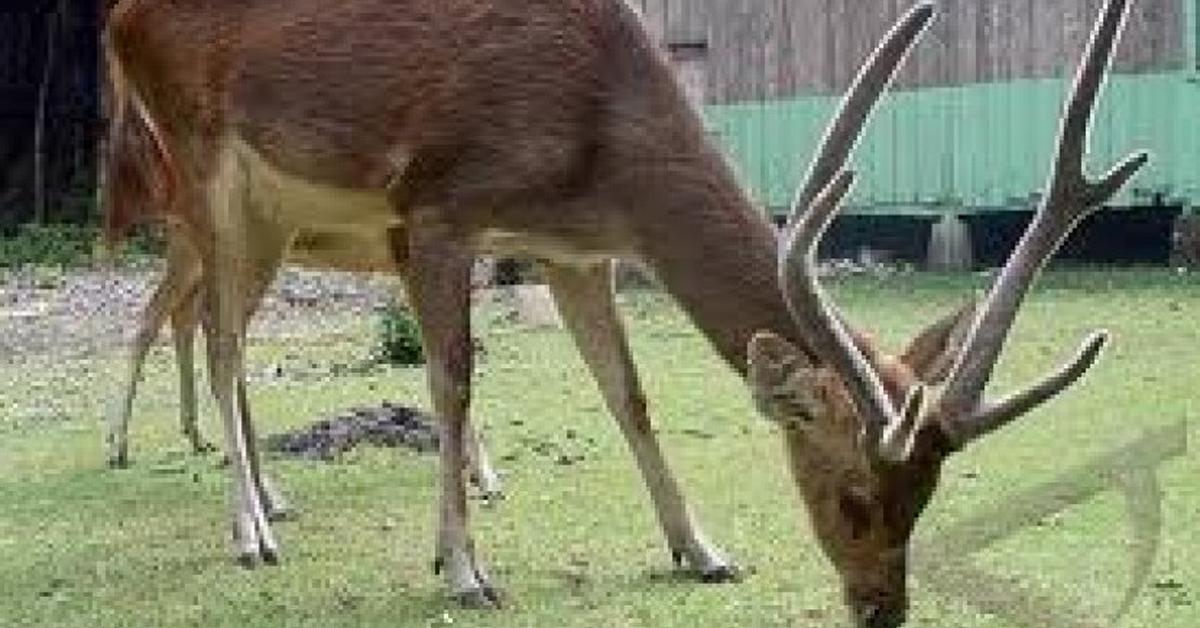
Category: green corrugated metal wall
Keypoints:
(981, 146)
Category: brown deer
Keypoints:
(552, 129)
(177, 296)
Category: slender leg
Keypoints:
(239, 255)
(183, 328)
(173, 287)
(273, 501)
(267, 257)
(482, 474)
(585, 301)
(439, 288)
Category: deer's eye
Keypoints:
(857, 512)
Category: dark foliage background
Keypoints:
(58, 40)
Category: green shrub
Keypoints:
(66, 245)
(48, 245)
(399, 337)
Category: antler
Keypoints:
(1070, 198)
(888, 433)
(815, 207)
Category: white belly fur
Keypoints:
(359, 219)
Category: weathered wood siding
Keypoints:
(766, 49)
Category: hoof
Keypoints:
(203, 449)
(490, 491)
(491, 498)
(270, 557)
(117, 453)
(721, 574)
(283, 514)
(247, 561)
(483, 598)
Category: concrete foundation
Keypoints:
(950, 245)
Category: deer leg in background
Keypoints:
(439, 284)
(171, 294)
(585, 300)
(482, 473)
(184, 320)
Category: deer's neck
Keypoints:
(713, 250)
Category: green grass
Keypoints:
(577, 545)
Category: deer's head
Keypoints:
(867, 431)
(862, 507)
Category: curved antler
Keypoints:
(1070, 198)
(816, 204)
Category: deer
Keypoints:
(556, 130)
(177, 297)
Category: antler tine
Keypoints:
(812, 311)
(1070, 197)
(815, 207)
(873, 78)
(990, 417)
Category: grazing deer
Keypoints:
(178, 294)
(552, 129)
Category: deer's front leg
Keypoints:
(585, 301)
(439, 288)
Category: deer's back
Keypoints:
(351, 93)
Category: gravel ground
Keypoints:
(82, 312)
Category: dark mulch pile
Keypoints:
(388, 425)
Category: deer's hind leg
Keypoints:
(585, 300)
(241, 258)
(172, 295)
(184, 321)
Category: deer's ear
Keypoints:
(931, 354)
(783, 381)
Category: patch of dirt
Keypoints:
(388, 425)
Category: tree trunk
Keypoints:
(39, 126)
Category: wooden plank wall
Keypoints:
(764, 49)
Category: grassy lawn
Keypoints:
(576, 545)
